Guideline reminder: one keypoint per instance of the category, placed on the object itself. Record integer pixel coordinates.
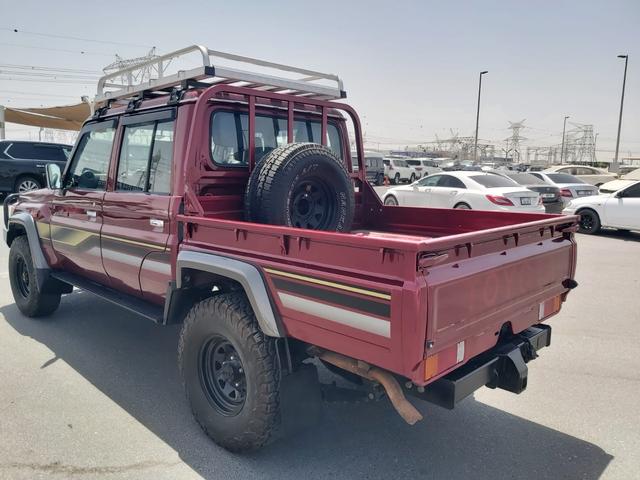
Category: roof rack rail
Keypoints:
(153, 75)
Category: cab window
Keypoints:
(145, 158)
(90, 163)
(230, 136)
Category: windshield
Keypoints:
(492, 181)
(563, 178)
(525, 179)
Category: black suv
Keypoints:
(22, 163)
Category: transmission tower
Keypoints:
(143, 74)
(584, 144)
(513, 142)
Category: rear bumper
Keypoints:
(504, 366)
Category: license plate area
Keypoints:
(585, 193)
(548, 195)
(525, 201)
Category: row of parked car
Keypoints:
(613, 204)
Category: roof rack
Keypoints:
(152, 76)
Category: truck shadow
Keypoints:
(619, 235)
(134, 363)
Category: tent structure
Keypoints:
(67, 117)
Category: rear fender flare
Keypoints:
(246, 274)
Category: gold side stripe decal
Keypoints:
(55, 229)
(340, 286)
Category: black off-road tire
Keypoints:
(24, 285)
(589, 222)
(228, 317)
(301, 185)
(412, 178)
(396, 179)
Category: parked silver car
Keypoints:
(570, 186)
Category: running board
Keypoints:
(128, 302)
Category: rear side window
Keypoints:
(563, 178)
(145, 158)
(492, 181)
(633, 191)
(91, 161)
(451, 182)
(230, 136)
(37, 151)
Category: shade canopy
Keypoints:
(67, 117)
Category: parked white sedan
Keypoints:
(466, 190)
(594, 176)
(619, 209)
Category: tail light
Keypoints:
(498, 200)
(565, 192)
(539, 200)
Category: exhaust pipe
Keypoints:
(406, 410)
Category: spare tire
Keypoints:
(301, 185)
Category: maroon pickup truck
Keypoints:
(160, 210)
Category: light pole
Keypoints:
(564, 127)
(614, 166)
(475, 143)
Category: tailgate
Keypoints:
(513, 281)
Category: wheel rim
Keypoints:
(22, 277)
(312, 205)
(586, 221)
(463, 207)
(27, 186)
(222, 376)
(391, 201)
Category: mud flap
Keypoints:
(300, 400)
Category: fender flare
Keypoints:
(27, 222)
(245, 274)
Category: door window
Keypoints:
(145, 158)
(585, 171)
(91, 161)
(429, 181)
(633, 191)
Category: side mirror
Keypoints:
(54, 176)
(620, 194)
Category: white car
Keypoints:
(619, 209)
(423, 166)
(594, 176)
(466, 190)
(570, 186)
(398, 170)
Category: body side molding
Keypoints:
(244, 273)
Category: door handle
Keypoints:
(156, 222)
(453, 193)
(91, 213)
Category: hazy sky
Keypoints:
(409, 67)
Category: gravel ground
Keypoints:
(94, 393)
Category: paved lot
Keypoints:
(94, 392)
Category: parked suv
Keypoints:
(22, 163)
(397, 170)
(222, 199)
(375, 166)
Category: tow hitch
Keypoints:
(504, 366)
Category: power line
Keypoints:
(49, 69)
(68, 37)
(49, 49)
(49, 75)
(48, 80)
(17, 92)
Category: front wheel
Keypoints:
(230, 373)
(412, 178)
(589, 222)
(24, 285)
(391, 201)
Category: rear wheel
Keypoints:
(462, 206)
(26, 184)
(412, 178)
(379, 179)
(396, 179)
(24, 285)
(589, 222)
(230, 372)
